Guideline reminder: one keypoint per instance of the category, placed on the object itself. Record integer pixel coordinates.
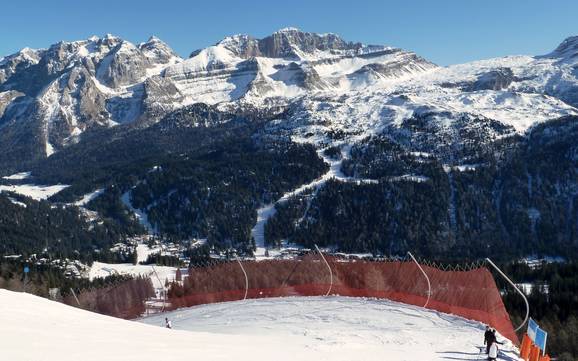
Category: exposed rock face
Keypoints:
(287, 43)
(18, 62)
(497, 79)
(290, 43)
(159, 98)
(124, 65)
(157, 51)
(6, 98)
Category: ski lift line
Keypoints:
(517, 289)
(164, 290)
(246, 278)
(426, 277)
(330, 272)
(76, 298)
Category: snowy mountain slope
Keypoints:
(287, 64)
(62, 91)
(282, 329)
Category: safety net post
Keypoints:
(426, 277)
(246, 278)
(517, 289)
(330, 272)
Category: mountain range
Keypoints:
(300, 138)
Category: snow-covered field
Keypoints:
(37, 192)
(295, 328)
(157, 274)
(18, 176)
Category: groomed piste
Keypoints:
(290, 328)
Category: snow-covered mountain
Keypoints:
(286, 65)
(301, 111)
(56, 94)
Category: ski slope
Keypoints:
(296, 328)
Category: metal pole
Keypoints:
(330, 272)
(246, 278)
(426, 278)
(517, 289)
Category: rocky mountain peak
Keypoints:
(289, 29)
(289, 43)
(158, 51)
(242, 45)
(154, 39)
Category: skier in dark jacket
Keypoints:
(489, 337)
(494, 338)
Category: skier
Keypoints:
(488, 336)
(493, 354)
(168, 323)
(494, 338)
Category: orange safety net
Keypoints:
(471, 294)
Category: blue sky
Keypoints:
(445, 32)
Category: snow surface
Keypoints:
(313, 328)
(36, 192)
(340, 328)
(49, 149)
(141, 216)
(18, 203)
(89, 197)
(258, 231)
(157, 274)
(18, 176)
(143, 251)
